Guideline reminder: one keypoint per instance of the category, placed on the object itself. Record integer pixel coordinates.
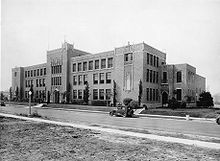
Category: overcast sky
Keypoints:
(187, 30)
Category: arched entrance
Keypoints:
(164, 98)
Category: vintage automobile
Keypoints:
(218, 120)
(120, 111)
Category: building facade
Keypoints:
(68, 70)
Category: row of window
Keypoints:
(82, 79)
(152, 76)
(101, 78)
(37, 94)
(152, 60)
(56, 69)
(56, 81)
(36, 72)
(84, 66)
(178, 77)
(102, 94)
(152, 94)
(38, 83)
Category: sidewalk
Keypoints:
(121, 132)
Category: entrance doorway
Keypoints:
(164, 98)
(57, 96)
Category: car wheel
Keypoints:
(218, 120)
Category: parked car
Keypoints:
(218, 120)
(2, 103)
(120, 112)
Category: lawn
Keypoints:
(193, 112)
(25, 140)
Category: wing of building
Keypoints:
(68, 70)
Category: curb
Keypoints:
(128, 133)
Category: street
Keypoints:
(90, 118)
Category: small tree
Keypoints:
(10, 93)
(205, 99)
(32, 92)
(17, 93)
(2, 96)
(114, 93)
(86, 93)
(140, 92)
(68, 93)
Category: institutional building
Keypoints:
(69, 69)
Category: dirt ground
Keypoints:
(24, 140)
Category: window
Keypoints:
(147, 79)
(147, 94)
(108, 94)
(157, 95)
(25, 74)
(74, 67)
(179, 94)
(179, 76)
(96, 64)
(128, 81)
(102, 78)
(164, 77)
(95, 78)
(150, 94)
(40, 82)
(34, 73)
(154, 95)
(85, 79)
(15, 74)
(28, 73)
(41, 71)
(154, 60)
(157, 62)
(74, 80)
(95, 94)
(79, 67)
(157, 75)
(84, 66)
(80, 80)
(151, 76)
(74, 94)
(36, 82)
(38, 72)
(90, 65)
(108, 77)
(80, 94)
(148, 58)
(154, 75)
(101, 94)
(45, 71)
(31, 73)
(43, 82)
(103, 63)
(151, 59)
(110, 62)
(128, 58)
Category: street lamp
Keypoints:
(30, 93)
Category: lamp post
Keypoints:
(30, 93)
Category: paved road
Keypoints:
(181, 126)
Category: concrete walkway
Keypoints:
(128, 133)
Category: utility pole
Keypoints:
(30, 93)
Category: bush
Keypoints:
(134, 104)
(173, 103)
(183, 105)
(126, 101)
(99, 103)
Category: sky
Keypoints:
(188, 31)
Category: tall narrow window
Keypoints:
(103, 63)
(179, 76)
(128, 81)
(74, 80)
(151, 76)
(74, 67)
(108, 94)
(154, 75)
(80, 80)
(74, 94)
(80, 94)
(148, 58)
(147, 94)
(96, 64)
(147, 79)
(108, 77)
(164, 77)
(84, 66)
(41, 71)
(151, 59)
(154, 60)
(95, 94)
(102, 78)
(101, 94)
(157, 62)
(45, 71)
(179, 94)
(91, 65)
(110, 62)
(79, 67)
(150, 94)
(85, 78)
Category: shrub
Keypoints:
(183, 105)
(126, 101)
(99, 103)
(173, 103)
(134, 104)
(77, 102)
